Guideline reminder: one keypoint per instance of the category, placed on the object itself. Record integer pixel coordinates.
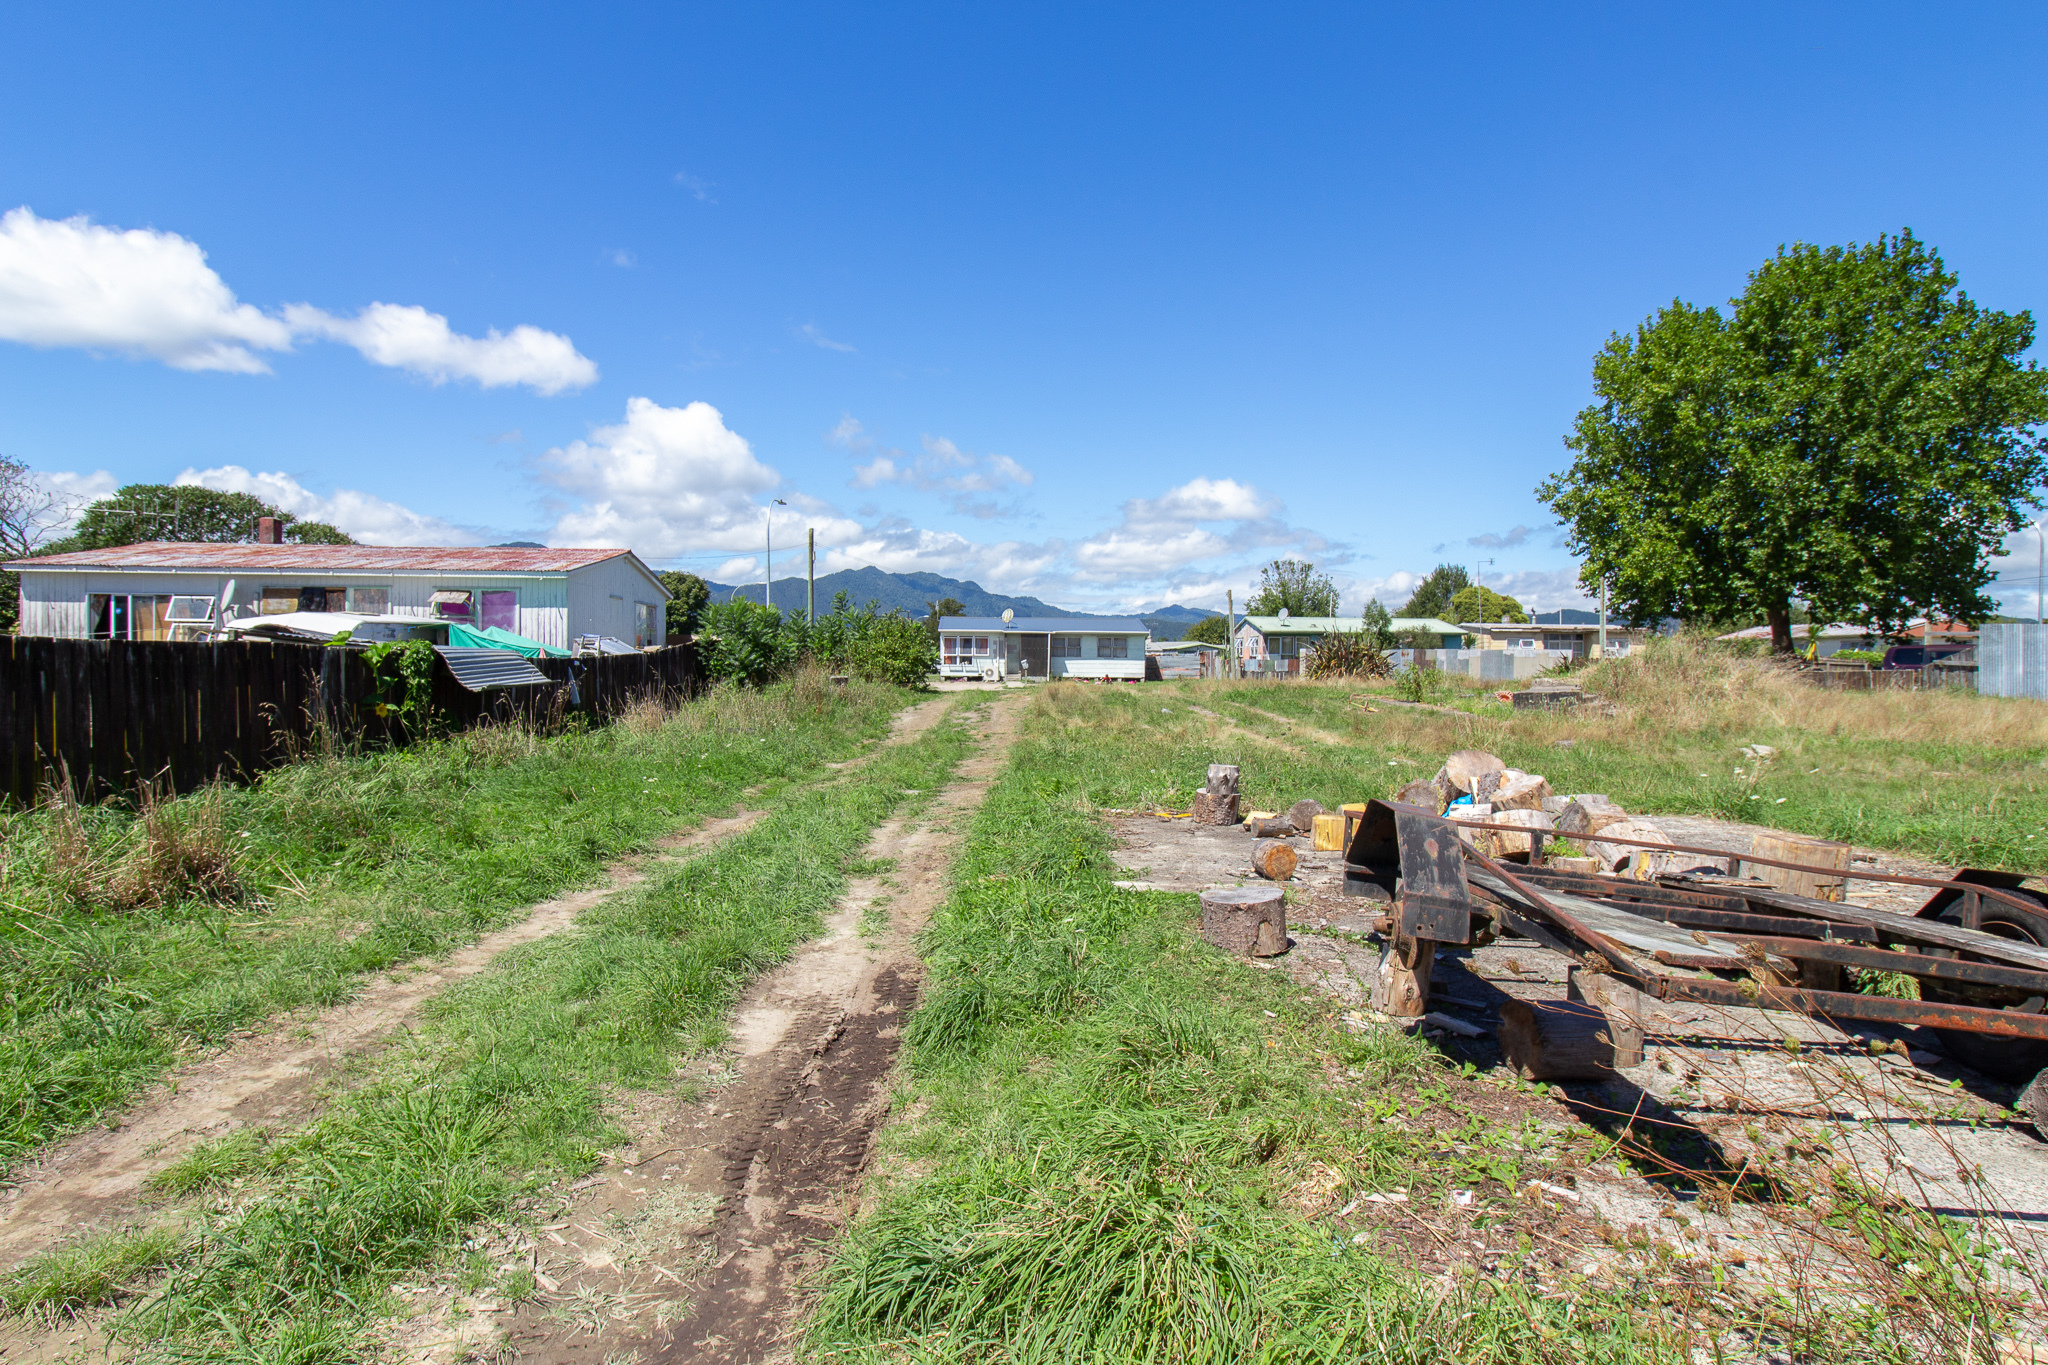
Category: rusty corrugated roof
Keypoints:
(175, 554)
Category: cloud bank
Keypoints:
(72, 283)
(366, 517)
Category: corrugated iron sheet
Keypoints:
(170, 554)
(482, 669)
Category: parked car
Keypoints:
(1919, 656)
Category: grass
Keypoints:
(1952, 776)
(1120, 1145)
(502, 1092)
(125, 942)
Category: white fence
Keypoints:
(2012, 661)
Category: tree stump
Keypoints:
(1250, 921)
(1273, 860)
(1796, 848)
(1329, 833)
(1216, 810)
(1553, 1040)
(1303, 815)
(1424, 793)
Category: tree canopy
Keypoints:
(1855, 432)
(688, 596)
(158, 511)
(945, 606)
(1475, 603)
(1295, 585)
(1210, 630)
(1433, 595)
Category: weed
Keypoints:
(94, 1273)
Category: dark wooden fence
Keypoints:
(112, 713)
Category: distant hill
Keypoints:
(915, 592)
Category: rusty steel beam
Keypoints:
(2025, 903)
(1910, 964)
(1831, 1005)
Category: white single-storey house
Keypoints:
(1275, 644)
(1557, 633)
(1040, 647)
(163, 590)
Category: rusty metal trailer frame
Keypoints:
(1979, 950)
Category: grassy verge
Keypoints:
(129, 937)
(502, 1093)
(1952, 776)
(1120, 1145)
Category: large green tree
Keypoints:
(688, 596)
(1475, 603)
(1295, 585)
(1855, 432)
(1434, 594)
(1210, 630)
(158, 511)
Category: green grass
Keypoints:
(1956, 778)
(1111, 1117)
(352, 864)
(504, 1089)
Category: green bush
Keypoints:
(749, 642)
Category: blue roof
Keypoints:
(1057, 625)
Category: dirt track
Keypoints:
(695, 1246)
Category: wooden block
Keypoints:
(1222, 779)
(1626, 1008)
(1424, 793)
(1303, 814)
(1329, 833)
(1273, 860)
(1233, 916)
(1797, 848)
(1556, 1041)
(1353, 812)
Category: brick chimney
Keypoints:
(269, 531)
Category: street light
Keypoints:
(768, 559)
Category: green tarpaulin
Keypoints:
(497, 637)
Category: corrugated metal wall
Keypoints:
(2012, 661)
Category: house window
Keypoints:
(643, 621)
(370, 601)
(323, 599)
(961, 649)
(501, 609)
(1112, 646)
(455, 604)
(187, 610)
(279, 600)
(120, 617)
(1066, 646)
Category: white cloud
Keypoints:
(810, 332)
(65, 495)
(671, 481)
(1202, 519)
(621, 258)
(1500, 540)
(368, 518)
(408, 337)
(144, 293)
(139, 293)
(968, 480)
(700, 188)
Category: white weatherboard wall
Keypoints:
(553, 607)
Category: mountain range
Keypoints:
(915, 592)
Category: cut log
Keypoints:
(1627, 1010)
(1273, 860)
(1222, 779)
(1487, 784)
(1589, 866)
(1234, 916)
(1525, 792)
(1424, 793)
(1582, 816)
(1796, 848)
(1402, 987)
(1556, 1040)
(1509, 845)
(1216, 810)
(1303, 814)
(1627, 859)
(1329, 833)
(1465, 767)
(1272, 827)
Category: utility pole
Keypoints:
(1603, 618)
(1230, 638)
(1479, 584)
(811, 581)
(768, 560)
(2040, 572)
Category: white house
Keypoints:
(1275, 644)
(1043, 647)
(162, 590)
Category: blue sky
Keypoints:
(1107, 304)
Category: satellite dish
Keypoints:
(1283, 613)
(1009, 615)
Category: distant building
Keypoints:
(1272, 644)
(1835, 637)
(1566, 630)
(162, 590)
(1039, 647)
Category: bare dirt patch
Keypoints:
(693, 1244)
